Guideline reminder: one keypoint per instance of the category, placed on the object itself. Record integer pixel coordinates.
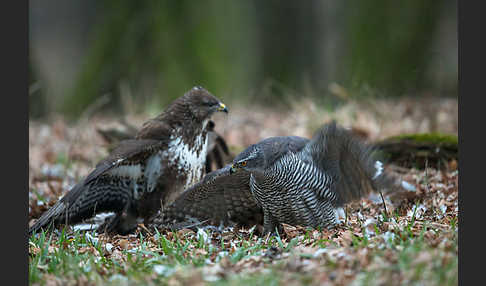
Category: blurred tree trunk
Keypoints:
(152, 51)
(389, 43)
(163, 48)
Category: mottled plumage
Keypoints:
(146, 173)
(218, 154)
(306, 187)
(222, 198)
(285, 179)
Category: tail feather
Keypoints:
(60, 212)
(50, 218)
(353, 164)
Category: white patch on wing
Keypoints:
(379, 169)
(135, 192)
(93, 223)
(153, 171)
(130, 171)
(409, 187)
(189, 159)
(100, 218)
(85, 226)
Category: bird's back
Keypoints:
(306, 187)
(295, 191)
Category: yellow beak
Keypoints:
(222, 107)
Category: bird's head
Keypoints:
(251, 159)
(203, 104)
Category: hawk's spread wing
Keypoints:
(83, 198)
(349, 162)
(127, 151)
(218, 153)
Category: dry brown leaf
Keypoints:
(185, 231)
(345, 238)
(123, 243)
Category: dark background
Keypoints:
(143, 54)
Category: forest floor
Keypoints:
(409, 240)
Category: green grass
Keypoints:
(66, 260)
(190, 253)
(394, 249)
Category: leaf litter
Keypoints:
(413, 241)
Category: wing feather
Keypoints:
(218, 198)
(127, 151)
(347, 160)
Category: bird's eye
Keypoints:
(207, 103)
(243, 163)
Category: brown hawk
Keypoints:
(146, 173)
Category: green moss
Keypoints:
(433, 138)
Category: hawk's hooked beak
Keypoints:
(233, 169)
(222, 107)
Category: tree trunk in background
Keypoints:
(152, 51)
(389, 44)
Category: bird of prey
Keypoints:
(217, 156)
(286, 179)
(144, 174)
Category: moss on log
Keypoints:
(415, 150)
